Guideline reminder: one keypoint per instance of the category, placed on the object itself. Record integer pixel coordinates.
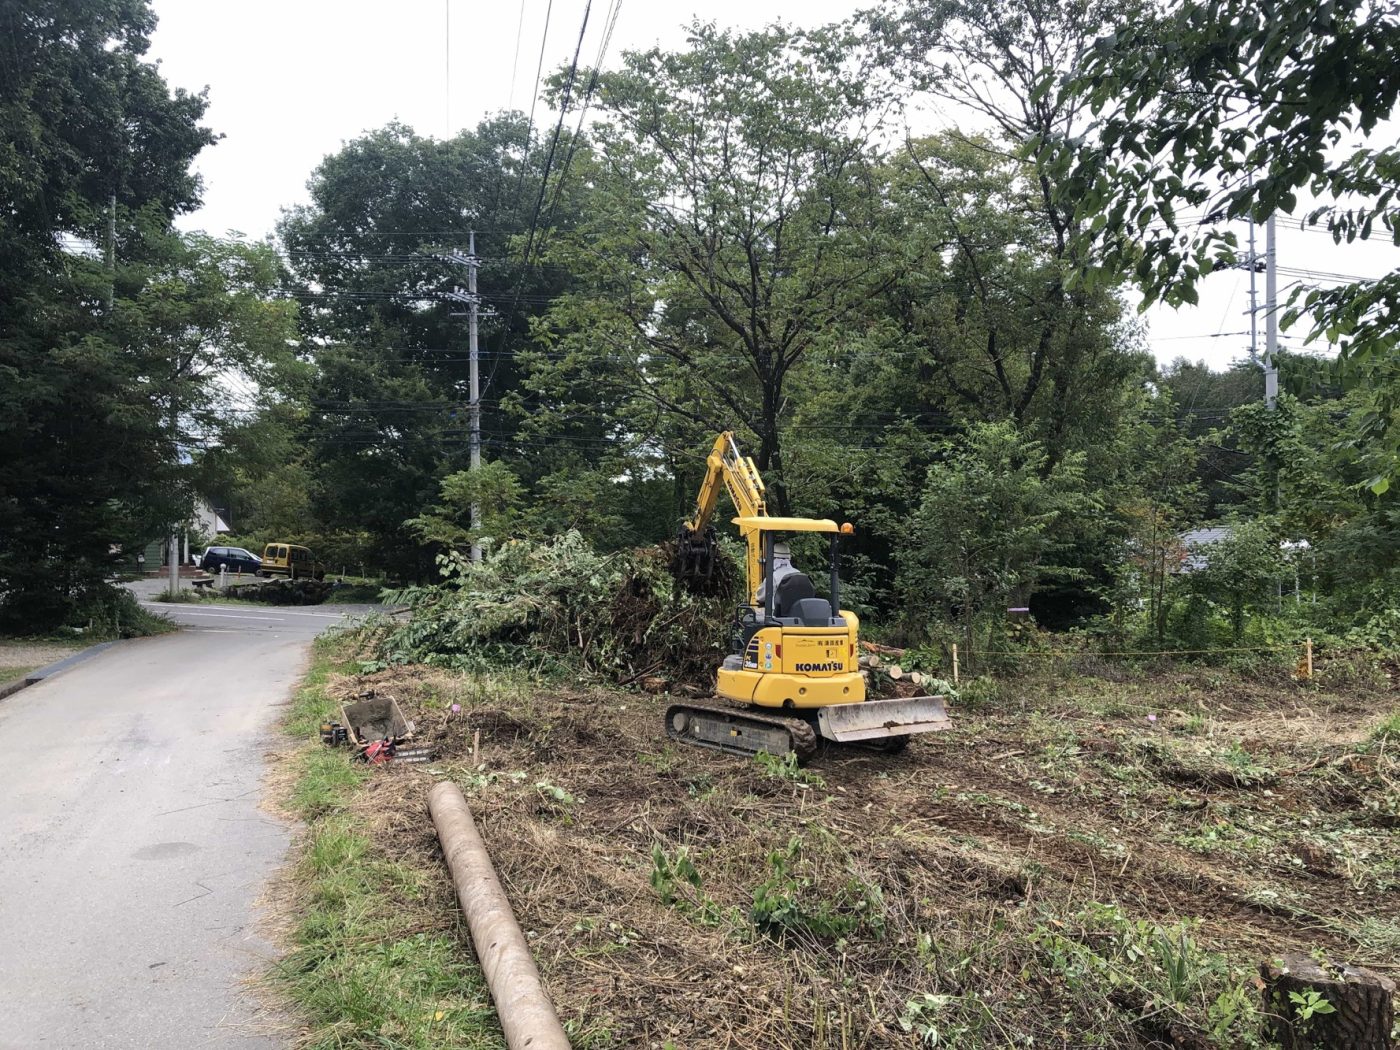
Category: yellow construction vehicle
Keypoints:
(792, 651)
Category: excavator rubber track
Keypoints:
(739, 731)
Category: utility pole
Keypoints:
(447, 69)
(111, 251)
(473, 312)
(473, 303)
(1270, 317)
(1253, 296)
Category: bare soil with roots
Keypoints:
(1080, 861)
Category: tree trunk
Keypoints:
(1362, 1005)
(770, 465)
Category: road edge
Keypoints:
(58, 667)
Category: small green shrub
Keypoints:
(1387, 728)
(787, 903)
(669, 872)
(785, 767)
(979, 694)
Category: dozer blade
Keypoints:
(877, 719)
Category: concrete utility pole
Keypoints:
(1270, 317)
(473, 303)
(447, 69)
(1253, 296)
(473, 311)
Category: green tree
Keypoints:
(731, 234)
(493, 488)
(990, 519)
(1157, 500)
(388, 413)
(1214, 110)
(1241, 571)
(89, 460)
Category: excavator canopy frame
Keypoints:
(767, 524)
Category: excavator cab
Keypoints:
(793, 649)
(794, 652)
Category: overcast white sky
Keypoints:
(289, 82)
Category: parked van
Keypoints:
(287, 559)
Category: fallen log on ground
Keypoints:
(885, 650)
(526, 1013)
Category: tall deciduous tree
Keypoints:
(732, 234)
(388, 411)
(1227, 110)
(992, 513)
(89, 133)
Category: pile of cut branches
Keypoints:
(563, 605)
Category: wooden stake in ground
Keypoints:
(1322, 1006)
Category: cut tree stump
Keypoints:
(1362, 1005)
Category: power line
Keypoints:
(515, 63)
(564, 99)
(609, 23)
(534, 99)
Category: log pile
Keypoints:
(884, 673)
(282, 591)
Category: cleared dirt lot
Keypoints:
(1090, 859)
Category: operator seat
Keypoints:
(791, 589)
(795, 602)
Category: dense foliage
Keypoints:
(114, 330)
(929, 336)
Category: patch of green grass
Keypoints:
(310, 704)
(361, 973)
(14, 674)
(785, 767)
(184, 595)
(356, 593)
(1387, 728)
(361, 969)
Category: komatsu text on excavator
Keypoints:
(792, 651)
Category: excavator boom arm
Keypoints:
(728, 467)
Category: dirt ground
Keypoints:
(1096, 859)
(19, 658)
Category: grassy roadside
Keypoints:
(375, 956)
(1089, 859)
(10, 675)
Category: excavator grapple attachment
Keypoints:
(695, 557)
(874, 720)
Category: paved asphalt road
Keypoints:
(132, 847)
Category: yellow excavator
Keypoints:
(793, 653)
